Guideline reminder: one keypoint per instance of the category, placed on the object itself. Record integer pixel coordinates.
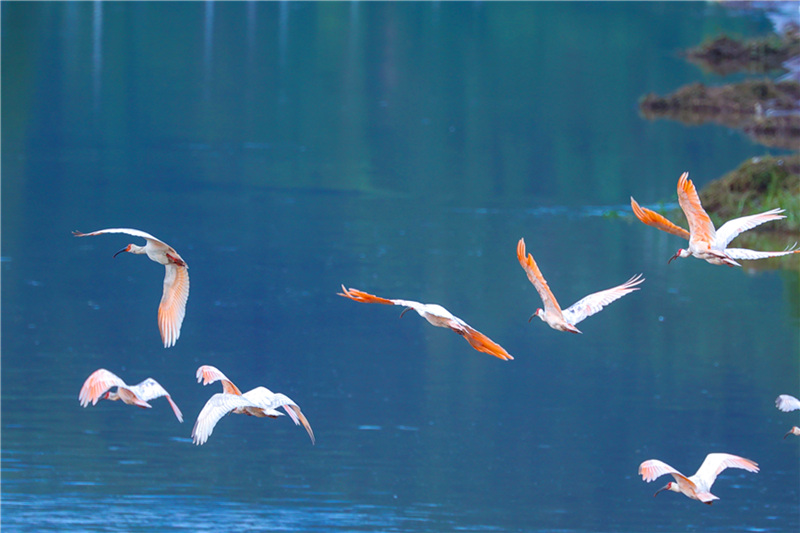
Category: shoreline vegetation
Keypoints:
(766, 110)
(759, 184)
(725, 55)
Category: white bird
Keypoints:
(583, 308)
(698, 486)
(259, 402)
(172, 308)
(97, 385)
(704, 241)
(438, 316)
(787, 403)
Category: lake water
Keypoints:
(402, 149)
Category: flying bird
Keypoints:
(704, 241)
(787, 403)
(438, 316)
(698, 486)
(260, 402)
(97, 385)
(172, 308)
(583, 308)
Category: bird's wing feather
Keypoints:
(175, 409)
(151, 389)
(594, 303)
(535, 276)
(481, 342)
(786, 403)
(364, 297)
(209, 374)
(715, 463)
(172, 308)
(651, 218)
(296, 414)
(744, 253)
(134, 232)
(700, 226)
(97, 384)
(148, 389)
(653, 469)
(729, 230)
(215, 408)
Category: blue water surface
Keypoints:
(284, 149)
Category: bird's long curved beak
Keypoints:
(531, 318)
(673, 257)
(665, 487)
(123, 250)
(406, 310)
(788, 433)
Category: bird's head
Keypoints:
(539, 312)
(669, 486)
(126, 249)
(794, 431)
(680, 253)
(132, 248)
(110, 396)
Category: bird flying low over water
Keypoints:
(787, 403)
(172, 308)
(698, 486)
(259, 402)
(583, 308)
(97, 385)
(438, 316)
(704, 241)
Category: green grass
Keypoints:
(759, 184)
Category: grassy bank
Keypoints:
(757, 185)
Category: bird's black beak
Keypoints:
(123, 250)
(531, 318)
(674, 256)
(665, 487)
(406, 310)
